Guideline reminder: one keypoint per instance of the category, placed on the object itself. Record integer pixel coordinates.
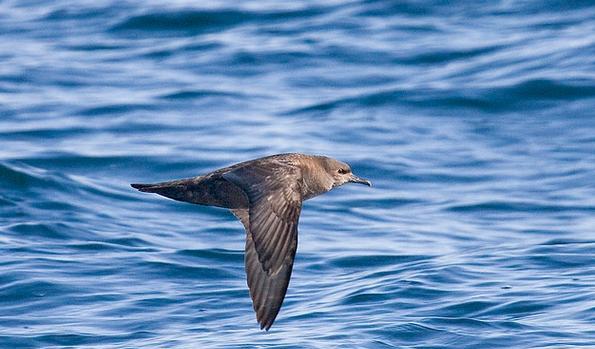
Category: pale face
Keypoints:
(341, 173)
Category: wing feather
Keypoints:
(275, 202)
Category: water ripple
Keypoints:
(474, 121)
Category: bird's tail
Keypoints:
(203, 190)
(142, 187)
(178, 190)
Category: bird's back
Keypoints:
(213, 189)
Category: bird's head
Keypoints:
(341, 173)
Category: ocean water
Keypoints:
(474, 120)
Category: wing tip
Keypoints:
(267, 316)
(265, 324)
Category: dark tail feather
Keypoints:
(181, 190)
(206, 190)
(142, 187)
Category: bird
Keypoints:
(266, 195)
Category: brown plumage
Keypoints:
(266, 195)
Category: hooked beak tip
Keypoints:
(356, 179)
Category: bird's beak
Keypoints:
(356, 179)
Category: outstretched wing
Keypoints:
(274, 193)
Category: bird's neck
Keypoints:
(316, 180)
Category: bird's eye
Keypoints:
(343, 171)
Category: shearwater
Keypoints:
(266, 195)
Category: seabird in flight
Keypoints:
(266, 195)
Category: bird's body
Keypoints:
(266, 195)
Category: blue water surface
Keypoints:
(475, 120)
